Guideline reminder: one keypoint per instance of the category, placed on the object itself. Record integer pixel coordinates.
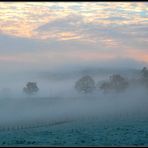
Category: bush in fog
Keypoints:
(116, 83)
(31, 88)
(85, 85)
(105, 86)
(144, 73)
(144, 76)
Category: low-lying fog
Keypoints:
(57, 98)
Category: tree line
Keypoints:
(116, 83)
(86, 84)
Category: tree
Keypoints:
(144, 72)
(144, 76)
(85, 85)
(31, 88)
(106, 86)
(116, 83)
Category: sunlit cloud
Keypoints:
(78, 31)
(24, 18)
(138, 54)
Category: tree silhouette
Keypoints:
(144, 72)
(31, 88)
(144, 76)
(116, 83)
(85, 85)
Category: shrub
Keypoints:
(31, 88)
(85, 85)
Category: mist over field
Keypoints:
(66, 62)
(57, 98)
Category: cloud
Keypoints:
(14, 45)
(110, 35)
(68, 27)
(27, 19)
(68, 32)
(115, 18)
(67, 23)
(56, 52)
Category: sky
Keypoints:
(49, 35)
